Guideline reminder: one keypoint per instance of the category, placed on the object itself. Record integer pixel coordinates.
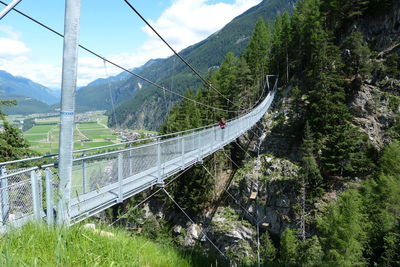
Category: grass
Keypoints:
(39, 129)
(39, 245)
(36, 245)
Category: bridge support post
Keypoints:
(67, 114)
(160, 181)
(199, 158)
(4, 196)
(84, 177)
(130, 161)
(36, 201)
(120, 178)
(183, 152)
(49, 197)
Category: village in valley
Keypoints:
(91, 130)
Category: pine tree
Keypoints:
(286, 43)
(280, 49)
(226, 79)
(12, 143)
(356, 55)
(381, 194)
(341, 13)
(289, 248)
(309, 167)
(311, 253)
(391, 255)
(345, 152)
(245, 89)
(310, 178)
(257, 50)
(341, 231)
(267, 249)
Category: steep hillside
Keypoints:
(318, 177)
(174, 74)
(11, 85)
(98, 94)
(26, 105)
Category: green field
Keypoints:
(44, 135)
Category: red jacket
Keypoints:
(222, 124)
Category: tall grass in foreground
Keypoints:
(37, 245)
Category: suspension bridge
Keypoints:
(79, 184)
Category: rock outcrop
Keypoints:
(374, 111)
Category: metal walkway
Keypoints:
(102, 180)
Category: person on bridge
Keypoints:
(222, 123)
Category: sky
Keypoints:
(111, 29)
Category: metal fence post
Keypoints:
(183, 152)
(199, 153)
(130, 161)
(84, 175)
(49, 197)
(160, 181)
(4, 195)
(215, 135)
(35, 195)
(120, 177)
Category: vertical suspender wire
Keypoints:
(111, 98)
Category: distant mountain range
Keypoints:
(139, 105)
(31, 97)
(96, 95)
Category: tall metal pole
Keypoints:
(8, 8)
(68, 88)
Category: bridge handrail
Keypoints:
(153, 138)
(101, 180)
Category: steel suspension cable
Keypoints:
(180, 57)
(111, 97)
(229, 194)
(190, 219)
(122, 68)
(147, 198)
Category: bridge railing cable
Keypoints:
(126, 144)
(207, 83)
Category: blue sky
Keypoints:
(109, 28)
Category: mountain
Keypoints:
(96, 95)
(143, 106)
(19, 86)
(26, 105)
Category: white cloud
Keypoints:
(10, 45)
(184, 23)
(10, 48)
(15, 58)
(9, 31)
(189, 21)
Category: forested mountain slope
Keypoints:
(147, 106)
(325, 190)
